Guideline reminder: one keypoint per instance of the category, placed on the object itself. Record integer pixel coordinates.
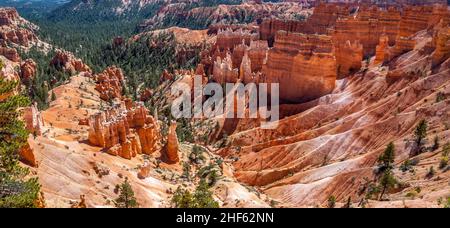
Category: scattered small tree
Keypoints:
(444, 160)
(387, 182)
(202, 197)
(197, 154)
(186, 171)
(348, 204)
(436, 143)
(386, 160)
(331, 202)
(446, 149)
(447, 204)
(420, 135)
(430, 172)
(53, 98)
(182, 198)
(126, 197)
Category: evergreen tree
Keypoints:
(386, 160)
(126, 197)
(183, 199)
(420, 135)
(436, 143)
(203, 196)
(348, 204)
(15, 189)
(387, 181)
(53, 96)
(331, 202)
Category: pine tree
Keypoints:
(420, 134)
(183, 199)
(331, 202)
(436, 143)
(203, 196)
(348, 204)
(387, 181)
(15, 189)
(126, 197)
(386, 160)
(53, 98)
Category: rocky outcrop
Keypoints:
(324, 17)
(28, 69)
(441, 43)
(18, 36)
(14, 29)
(26, 156)
(125, 130)
(228, 39)
(8, 71)
(33, 119)
(223, 70)
(146, 94)
(166, 76)
(109, 83)
(303, 65)
(257, 54)
(118, 41)
(10, 53)
(382, 50)
(385, 53)
(66, 61)
(8, 16)
(348, 57)
(144, 172)
(171, 148)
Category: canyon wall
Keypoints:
(323, 17)
(303, 65)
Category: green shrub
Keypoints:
(202, 197)
(331, 202)
(420, 134)
(126, 197)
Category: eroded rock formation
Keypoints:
(69, 63)
(228, 39)
(14, 29)
(125, 130)
(223, 70)
(27, 156)
(304, 65)
(33, 119)
(10, 53)
(109, 83)
(28, 69)
(171, 148)
(441, 43)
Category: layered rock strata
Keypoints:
(125, 130)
